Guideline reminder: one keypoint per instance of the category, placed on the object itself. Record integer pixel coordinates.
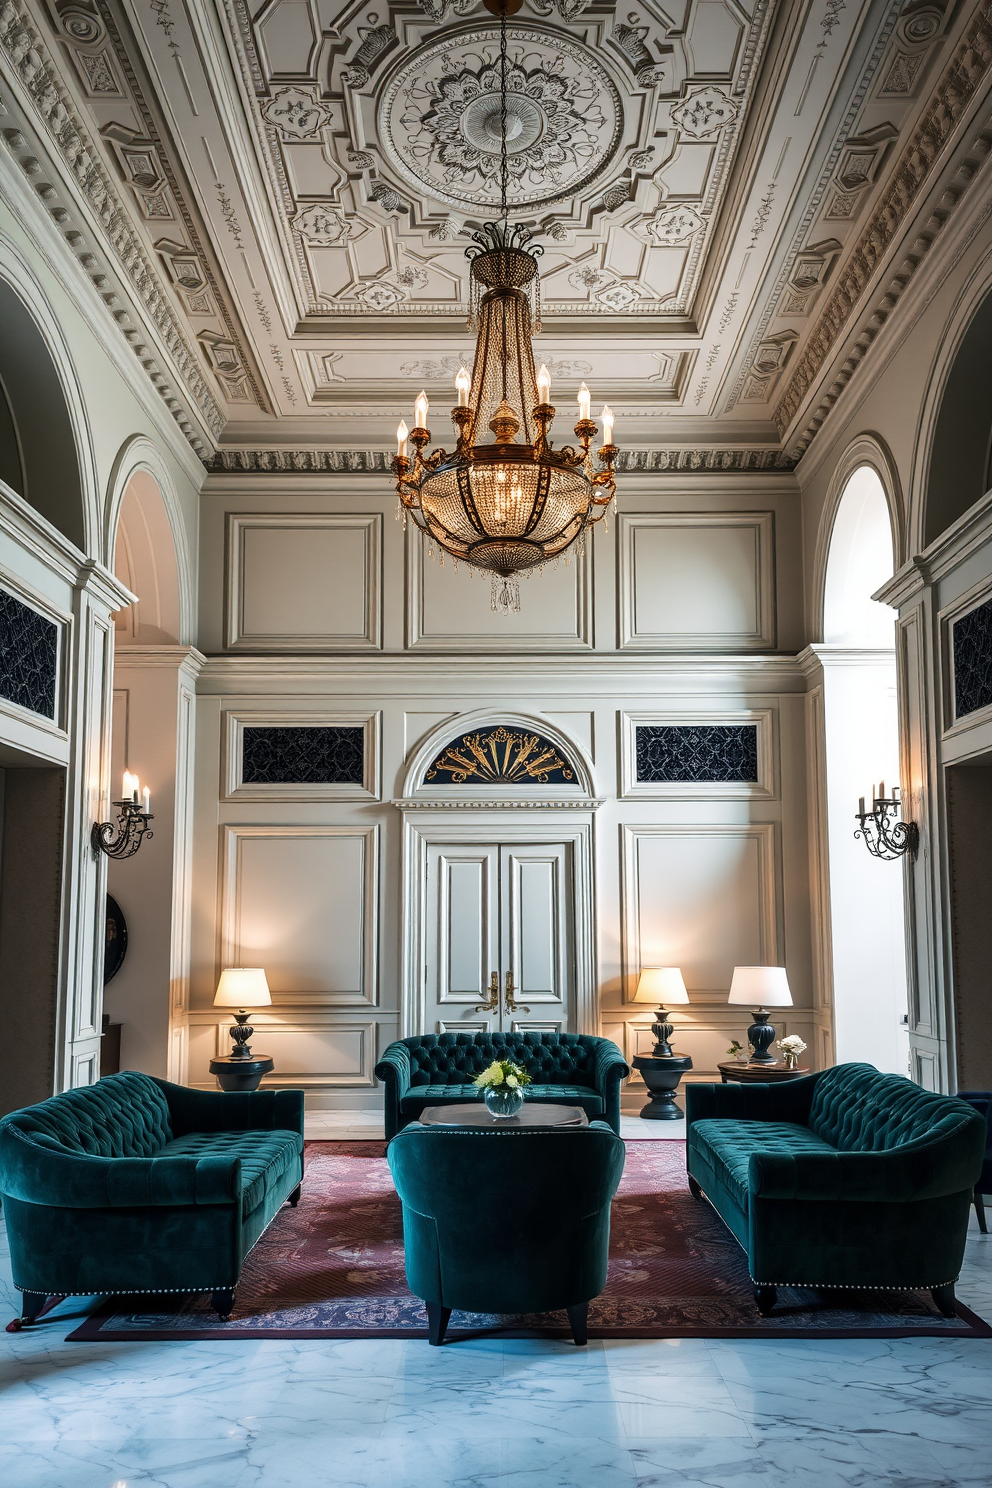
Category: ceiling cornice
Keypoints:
(968, 69)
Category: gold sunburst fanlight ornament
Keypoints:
(508, 505)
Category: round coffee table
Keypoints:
(476, 1113)
(744, 1074)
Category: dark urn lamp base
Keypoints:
(662, 1075)
(761, 1036)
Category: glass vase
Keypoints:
(791, 1060)
(503, 1101)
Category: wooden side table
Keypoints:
(746, 1074)
(241, 1074)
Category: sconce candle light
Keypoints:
(121, 839)
(885, 835)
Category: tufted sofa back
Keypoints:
(456, 1058)
(121, 1116)
(857, 1109)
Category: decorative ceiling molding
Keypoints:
(54, 111)
(966, 71)
(380, 462)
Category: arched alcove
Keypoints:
(38, 454)
(859, 560)
(860, 724)
(145, 560)
(960, 453)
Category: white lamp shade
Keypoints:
(662, 985)
(760, 987)
(242, 987)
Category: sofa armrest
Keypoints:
(239, 1110)
(788, 1100)
(393, 1069)
(927, 1169)
(39, 1174)
(609, 1072)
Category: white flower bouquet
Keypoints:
(792, 1046)
(502, 1072)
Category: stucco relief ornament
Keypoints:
(378, 296)
(619, 296)
(673, 225)
(296, 113)
(324, 227)
(704, 112)
(439, 118)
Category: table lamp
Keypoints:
(661, 984)
(242, 987)
(760, 988)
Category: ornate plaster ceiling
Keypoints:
(718, 184)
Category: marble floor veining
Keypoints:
(496, 1413)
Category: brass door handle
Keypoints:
(511, 1005)
(493, 1004)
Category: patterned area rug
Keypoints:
(333, 1268)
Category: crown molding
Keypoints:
(380, 462)
(962, 79)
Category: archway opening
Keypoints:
(150, 738)
(862, 750)
(38, 456)
(959, 473)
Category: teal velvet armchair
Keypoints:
(573, 1069)
(136, 1185)
(512, 1220)
(844, 1179)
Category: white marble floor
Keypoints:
(496, 1413)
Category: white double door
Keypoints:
(500, 937)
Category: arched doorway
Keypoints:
(861, 737)
(153, 700)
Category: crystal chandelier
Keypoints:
(512, 504)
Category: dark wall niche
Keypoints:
(29, 656)
(972, 646)
(303, 756)
(713, 753)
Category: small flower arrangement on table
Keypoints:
(738, 1052)
(792, 1047)
(502, 1086)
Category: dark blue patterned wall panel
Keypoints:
(29, 656)
(973, 660)
(303, 756)
(674, 753)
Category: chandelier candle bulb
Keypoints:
(421, 407)
(608, 422)
(402, 436)
(543, 385)
(585, 403)
(463, 382)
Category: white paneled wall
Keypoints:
(317, 608)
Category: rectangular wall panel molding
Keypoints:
(701, 752)
(696, 581)
(304, 581)
(310, 1051)
(705, 898)
(450, 609)
(274, 730)
(301, 902)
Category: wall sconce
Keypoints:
(121, 839)
(885, 835)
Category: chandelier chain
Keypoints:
(504, 168)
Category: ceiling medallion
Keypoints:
(505, 507)
(439, 117)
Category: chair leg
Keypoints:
(944, 1300)
(294, 1197)
(222, 1302)
(437, 1323)
(765, 1298)
(980, 1211)
(578, 1318)
(694, 1188)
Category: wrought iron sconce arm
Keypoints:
(885, 835)
(121, 839)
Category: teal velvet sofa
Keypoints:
(511, 1220)
(135, 1185)
(434, 1069)
(847, 1178)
